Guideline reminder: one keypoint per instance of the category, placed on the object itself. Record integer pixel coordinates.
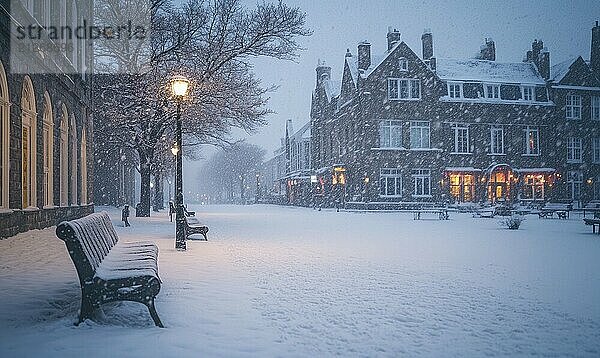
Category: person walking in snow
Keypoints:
(125, 215)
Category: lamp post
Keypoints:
(179, 88)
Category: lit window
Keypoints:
(574, 149)
(573, 108)
(419, 135)
(462, 187)
(390, 182)
(534, 187)
(531, 141)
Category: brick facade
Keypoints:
(350, 122)
(70, 91)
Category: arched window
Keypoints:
(64, 156)
(73, 166)
(48, 142)
(28, 145)
(84, 193)
(4, 138)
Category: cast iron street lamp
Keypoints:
(179, 87)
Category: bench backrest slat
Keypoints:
(88, 240)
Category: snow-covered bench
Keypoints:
(110, 270)
(442, 213)
(561, 209)
(193, 226)
(593, 223)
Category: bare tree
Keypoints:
(211, 42)
(228, 174)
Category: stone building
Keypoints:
(401, 129)
(46, 156)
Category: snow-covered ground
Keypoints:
(281, 281)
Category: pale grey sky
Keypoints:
(459, 28)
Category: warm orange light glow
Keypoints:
(179, 86)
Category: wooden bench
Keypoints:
(593, 223)
(485, 213)
(110, 270)
(193, 226)
(561, 210)
(442, 213)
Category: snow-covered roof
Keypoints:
(377, 60)
(302, 133)
(488, 71)
(558, 71)
(462, 169)
(353, 66)
(332, 88)
(536, 170)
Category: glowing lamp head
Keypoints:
(175, 149)
(179, 86)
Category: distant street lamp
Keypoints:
(179, 88)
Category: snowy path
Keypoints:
(276, 281)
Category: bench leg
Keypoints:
(86, 310)
(153, 313)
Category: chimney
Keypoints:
(543, 63)
(487, 51)
(427, 40)
(595, 50)
(289, 128)
(364, 55)
(541, 57)
(323, 73)
(432, 64)
(393, 37)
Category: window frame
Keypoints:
(596, 150)
(493, 141)
(571, 107)
(595, 108)
(532, 95)
(421, 176)
(403, 64)
(527, 149)
(393, 127)
(386, 174)
(495, 91)
(457, 129)
(417, 125)
(573, 149)
(397, 89)
(451, 85)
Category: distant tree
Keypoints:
(230, 171)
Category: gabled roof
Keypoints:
(488, 71)
(302, 133)
(353, 67)
(560, 70)
(332, 88)
(377, 60)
